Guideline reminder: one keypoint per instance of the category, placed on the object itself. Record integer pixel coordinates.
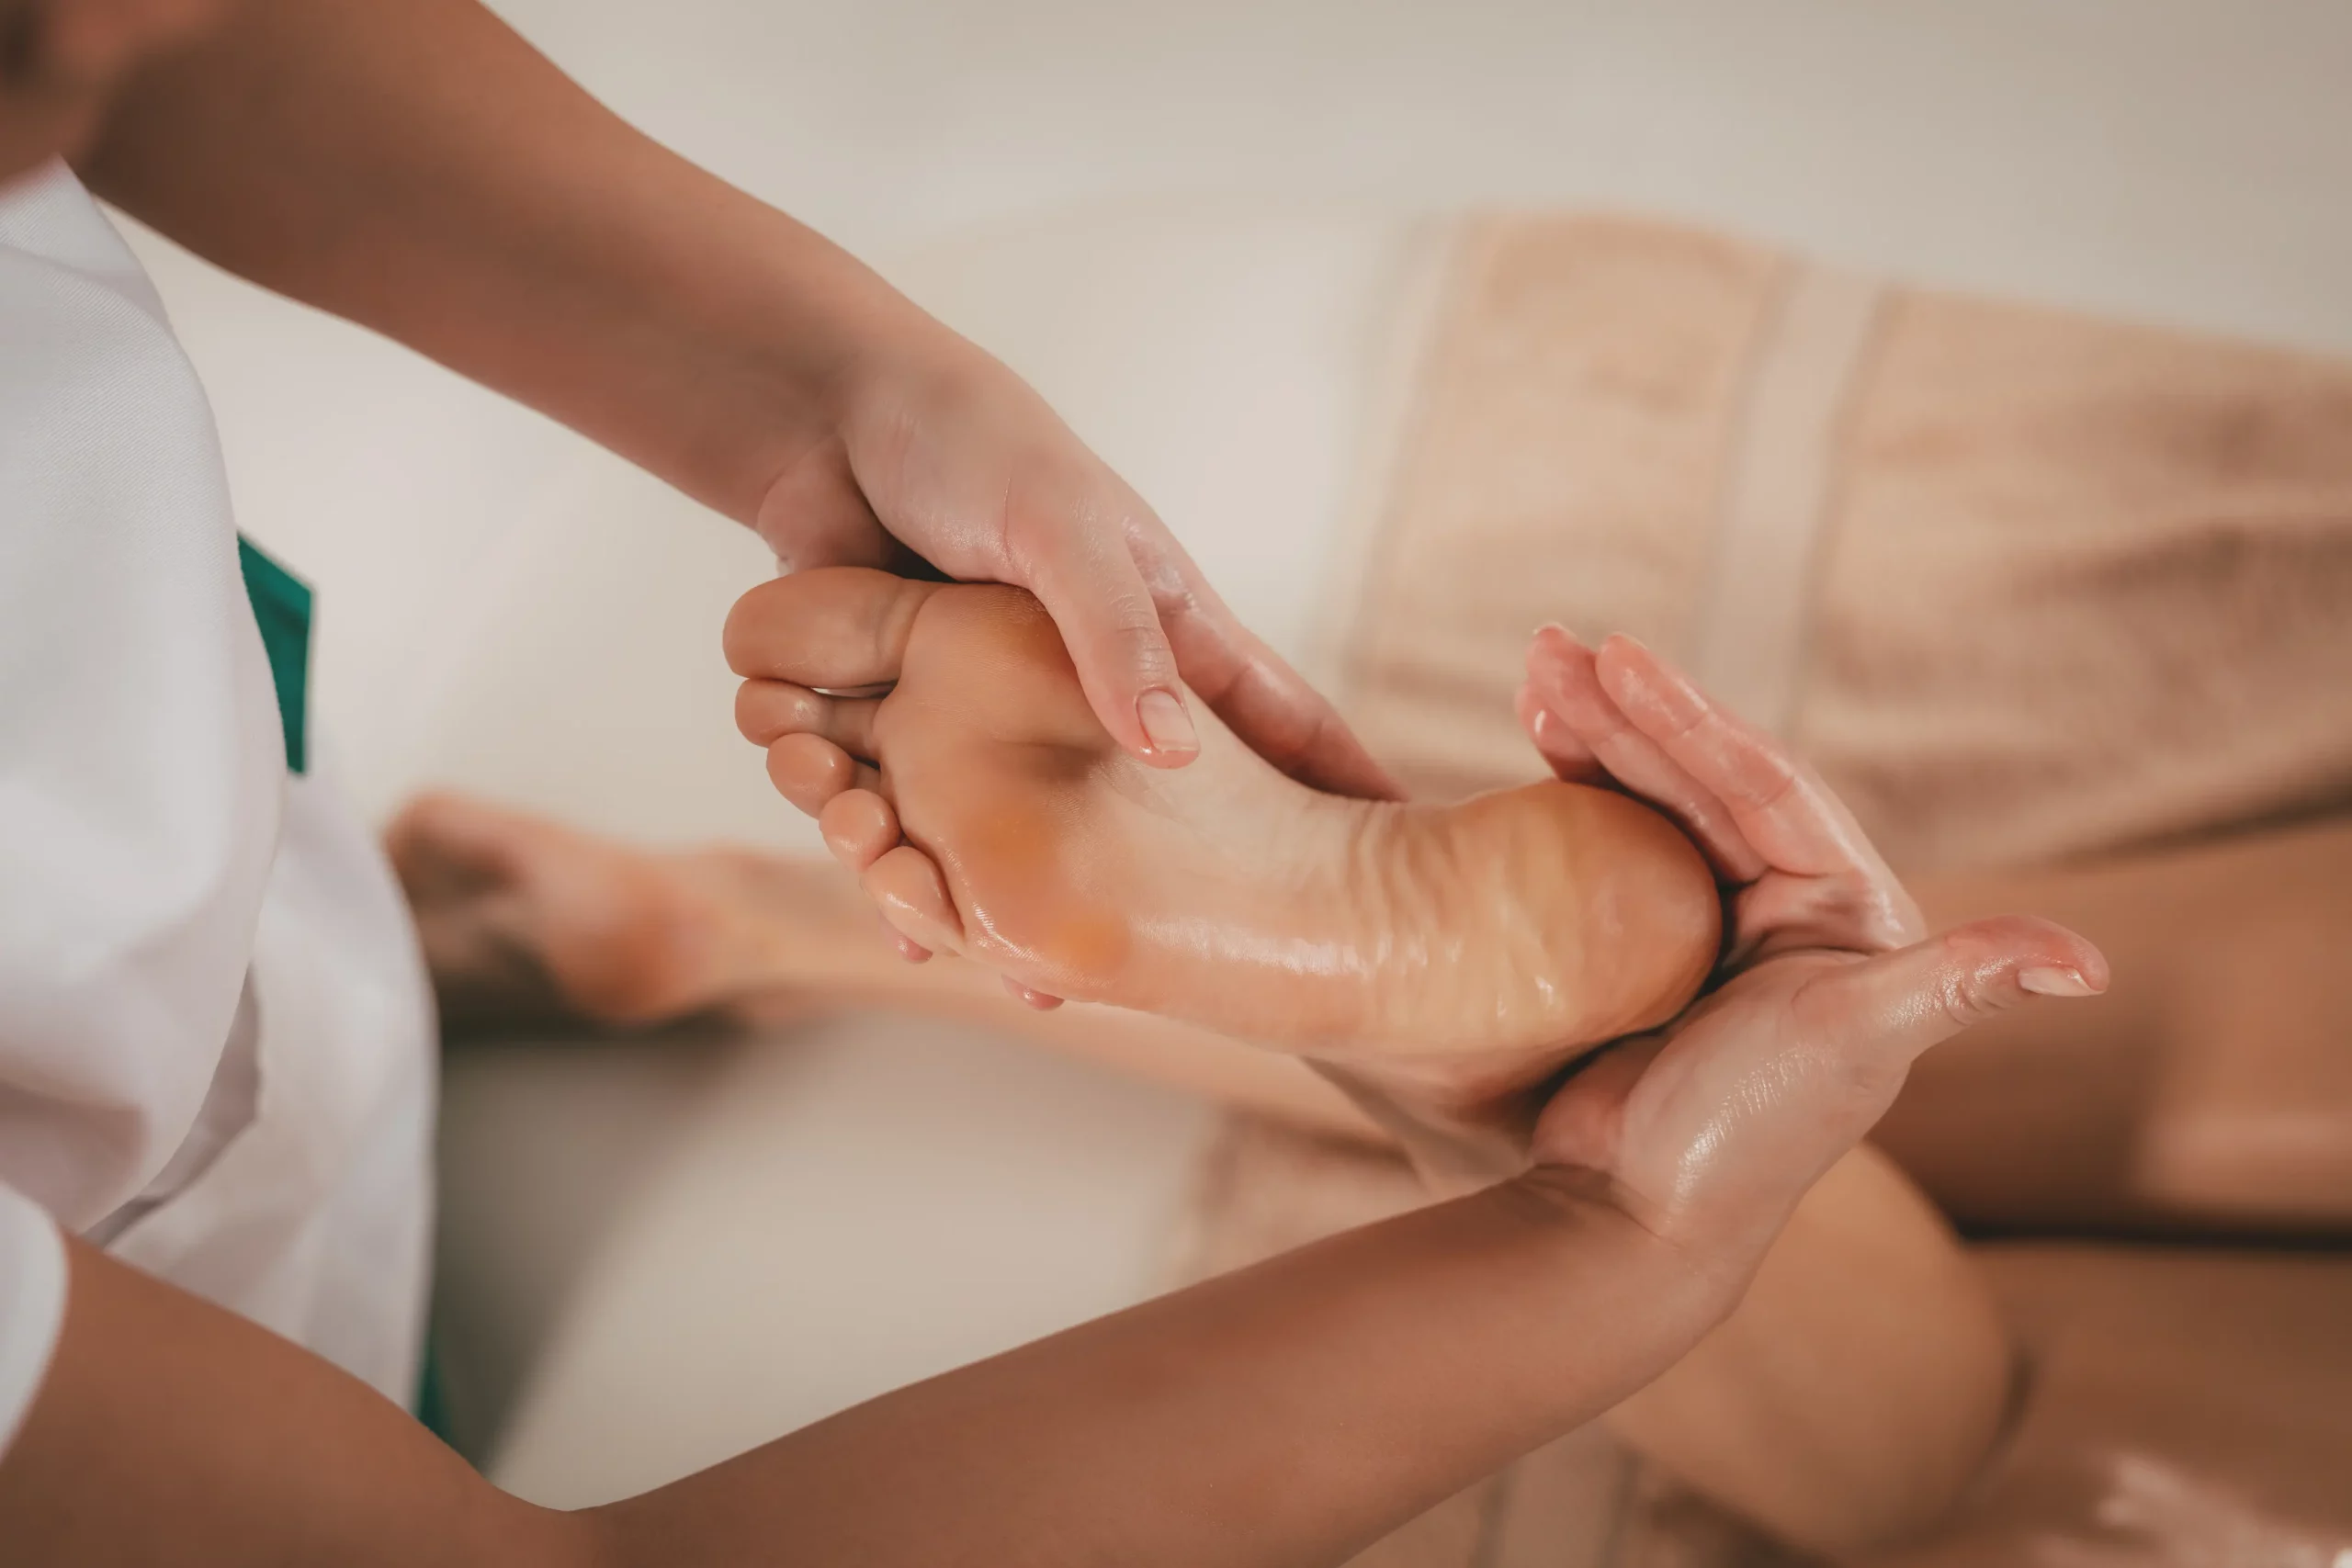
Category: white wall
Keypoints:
(2188, 159)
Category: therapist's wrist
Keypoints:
(850, 334)
(774, 339)
(895, 365)
(852, 367)
(1673, 1294)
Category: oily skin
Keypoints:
(524, 920)
(1461, 954)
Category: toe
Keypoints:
(907, 887)
(810, 771)
(766, 711)
(836, 628)
(859, 827)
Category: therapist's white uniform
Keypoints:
(216, 1043)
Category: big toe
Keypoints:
(838, 629)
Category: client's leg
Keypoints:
(524, 920)
(1475, 947)
(1859, 1389)
(2209, 1090)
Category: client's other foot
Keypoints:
(1481, 945)
(522, 919)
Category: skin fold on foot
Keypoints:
(1477, 946)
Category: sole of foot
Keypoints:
(993, 817)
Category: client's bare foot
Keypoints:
(524, 920)
(991, 816)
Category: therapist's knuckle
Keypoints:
(1141, 645)
(1961, 988)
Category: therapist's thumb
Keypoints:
(1875, 1017)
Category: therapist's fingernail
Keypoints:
(2049, 981)
(1166, 722)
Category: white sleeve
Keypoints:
(32, 1305)
(141, 774)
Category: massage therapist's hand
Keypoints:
(938, 451)
(1711, 1128)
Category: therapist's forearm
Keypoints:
(1282, 1416)
(420, 169)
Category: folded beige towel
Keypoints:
(2022, 585)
